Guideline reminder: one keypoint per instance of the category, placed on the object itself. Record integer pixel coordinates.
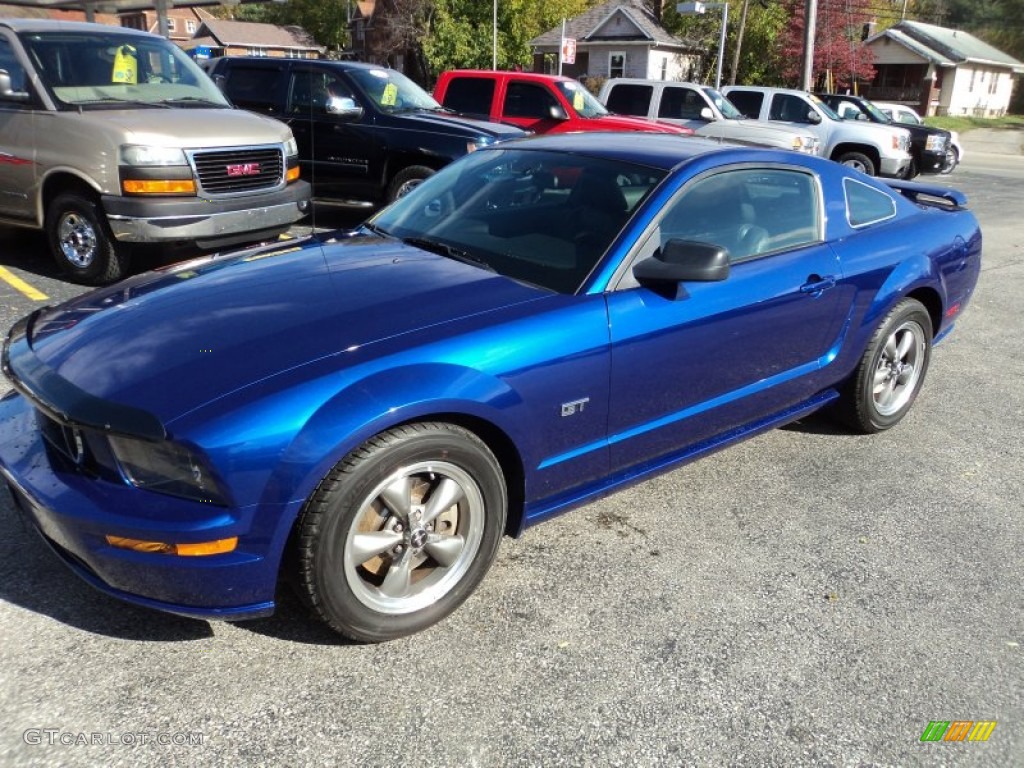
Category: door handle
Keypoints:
(815, 284)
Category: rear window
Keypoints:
(470, 95)
(866, 205)
(630, 99)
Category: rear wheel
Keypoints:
(399, 534)
(891, 371)
(81, 242)
(857, 160)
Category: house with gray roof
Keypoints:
(247, 38)
(619, 39)
(941, 71)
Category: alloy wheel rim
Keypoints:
(899, 368)
(414, 537)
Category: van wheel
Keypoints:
(857, 160)
(81, 242)
(406, 179)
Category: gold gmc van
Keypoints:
(111, 137)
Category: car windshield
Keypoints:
(824, 107)
(876, 113)
(97, 70)
(392, 91)
(581, 99)
(540, 217)
(724, 105)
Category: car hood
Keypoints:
(451, 122)
(171, 341)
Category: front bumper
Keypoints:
(932, 162)
(74, 513)
(894, 167)
(204, 221)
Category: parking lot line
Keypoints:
(16, 282)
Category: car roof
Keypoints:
(536, 77)
(331, 63)
(54, 25)
(655, 150)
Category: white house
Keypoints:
(618, 39)
(941, 71)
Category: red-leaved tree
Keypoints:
(840, 58)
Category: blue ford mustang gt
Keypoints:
(538, 324)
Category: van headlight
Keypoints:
(141, 155)
(291, 147)
(167, 467)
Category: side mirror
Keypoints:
(683, 260)
(342, 106)
(707, 114)
(220, 81)
(556, 112)
(813, 117)
(7, 93)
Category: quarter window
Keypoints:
(866, 205)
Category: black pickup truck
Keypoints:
(927, 145)
(365, 133)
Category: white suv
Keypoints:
(875, 149)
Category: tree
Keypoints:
(840, 61)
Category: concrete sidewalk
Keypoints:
(992, 141)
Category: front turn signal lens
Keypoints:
(159, 186)
(197, 549)
(292, 174)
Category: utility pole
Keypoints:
(809, 29)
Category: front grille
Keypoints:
(230, 171)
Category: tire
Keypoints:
(400, 532)
(857, 160)
(891, 371)
(81, 242)
(913, 170)
(406, 179)
(952, 160)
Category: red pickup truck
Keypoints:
(535, 102)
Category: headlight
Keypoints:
(138, 155)
(291, 147)
(167, 467)
(935, 143)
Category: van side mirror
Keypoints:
(7, 93)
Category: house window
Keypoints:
(256, 50)
(970, 88)
(616, 65)
(993, 86)
(190, 25)
(664, 68)
(171, 24)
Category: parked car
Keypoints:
(536, 325)
(365, 133)
(703, 109)
(113, 137)
(877, 150)
(536, 103)
(907, 117)
(928, 146)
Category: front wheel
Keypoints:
(857, 160)
(952, 160)
(406, 180)
(891, 371)
(399, 534)
(81, 243)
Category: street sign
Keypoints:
(568, 50)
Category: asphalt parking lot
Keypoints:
(805, 598)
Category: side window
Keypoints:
(630, 99)
(747, 102)
(790, 109)
(681, 103)
(470, 95)
(528, 100)
(866, 205)
(9, 62)
(750, 212)
(310, 91)
(253, 87)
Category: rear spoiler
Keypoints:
(929, 194)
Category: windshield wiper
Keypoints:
(196, 100)
(109, 101)
(444, 249)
